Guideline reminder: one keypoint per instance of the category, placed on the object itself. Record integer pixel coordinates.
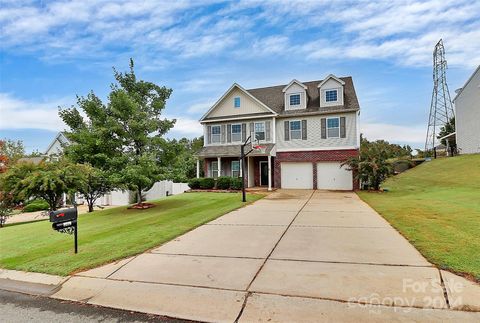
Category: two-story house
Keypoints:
(308, 129)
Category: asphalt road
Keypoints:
(16, 307)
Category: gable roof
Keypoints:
(466, 83)
(57, 137)
(290, 84)
(331, 76)
(235, 85)
(273, 97)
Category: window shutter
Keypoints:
(304, 129)
(343, 130)
(287, 130)
(324, 128)
(252, 130)
(267, 130)
(209, 134)
(229, 132)
(222, 132)
(244, 132)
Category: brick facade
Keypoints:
(313, 156)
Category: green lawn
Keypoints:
(436, 206)
(110, 234)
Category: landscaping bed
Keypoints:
(111, 234)
(436, 206)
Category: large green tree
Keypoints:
(135, 117)
(93, 145)
(124, 137)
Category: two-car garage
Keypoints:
(330, 176)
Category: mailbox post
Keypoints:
(65, 221)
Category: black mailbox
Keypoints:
(65, 215)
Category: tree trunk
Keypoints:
(139, 195)
(90, 205)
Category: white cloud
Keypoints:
(185, 127)
(170, 31)
(200, 107)
(21, 114)
(414, 134)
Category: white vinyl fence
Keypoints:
(159, 190)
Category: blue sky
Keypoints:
(52, 51)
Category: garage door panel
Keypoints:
(330, 176)
(297, 175)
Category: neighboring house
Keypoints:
(55, 149)
(308, 130)
(467, 115)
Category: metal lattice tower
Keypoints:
(441, 109)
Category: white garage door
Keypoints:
(331, 177)
(297, 175)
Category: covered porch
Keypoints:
(225, 161)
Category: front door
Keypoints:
(263, 173)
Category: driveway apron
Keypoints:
(296, 255)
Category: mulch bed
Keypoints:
(142, 206)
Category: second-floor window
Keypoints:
(236, 132)
(333, 127)
(295, 130)
(294, 99)
(331, 95)
(260, 130)
(216, 134)
(236, 102)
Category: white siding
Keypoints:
(330, 85)
(467, 116)
(246, 121)
(295, 89)
(247, 105)
(314, 139)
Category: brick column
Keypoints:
(314, 166)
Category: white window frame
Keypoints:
(290, 129)
(214, 135)
(328, 136)
(231, 132)
(232, 170)
(213, 171)
(295, 106)
(325, 94)
(255, 131)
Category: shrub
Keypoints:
(236, 183)
(223, 183)
(36, 205)
(207, 183)
(194, 183)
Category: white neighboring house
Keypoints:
(467, 115)
(55, 149)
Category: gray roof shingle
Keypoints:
(230, 151)
(273, 97)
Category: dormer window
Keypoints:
(294, 100)
(331, 95)
(236, 102)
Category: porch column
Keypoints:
(269, 172)
(219, 160)
(198, 168)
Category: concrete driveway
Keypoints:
(294, 256)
